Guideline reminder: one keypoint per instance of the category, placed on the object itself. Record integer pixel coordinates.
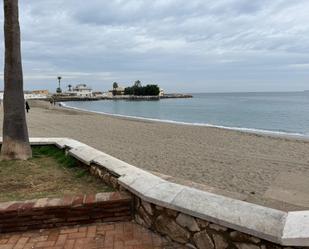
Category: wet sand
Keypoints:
(226, 161)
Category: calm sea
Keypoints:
(275, 112)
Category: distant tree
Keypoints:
(70, 87)
(151, 90)
(136, 87)
(128, 91)
(115, 86)
(15, 132)
(137, 83)
(148, 90)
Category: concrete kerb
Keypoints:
(285, 228)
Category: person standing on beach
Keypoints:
(27, 107)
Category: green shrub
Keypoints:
(148, 90)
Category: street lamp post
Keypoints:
(59, 82)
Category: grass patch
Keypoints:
(52, 151)
(50, 173)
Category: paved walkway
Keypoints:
(125, 235)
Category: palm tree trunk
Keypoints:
(15, 133)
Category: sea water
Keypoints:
(286, 112)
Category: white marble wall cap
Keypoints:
(296, 229)
(86, 154)
(246, 217)
(114, 165)
(70, 143)
(163, 194)
(62, 143)
(58, 141)
(140, 182)
(43, 141)
(121, 168)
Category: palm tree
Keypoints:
(137, 84)
(115, 86)
(15, 133)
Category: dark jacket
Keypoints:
(27, 106)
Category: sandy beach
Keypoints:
(260, 169)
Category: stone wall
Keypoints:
(194, 232)
(184, 229)
(108, 177)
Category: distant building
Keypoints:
(81, 90)
(42, 92)
(97, 94)
(161, 92)
(108, 94)
(29, 95)
(34, 95)
(118, 91)
(102, 94)
(37, 94)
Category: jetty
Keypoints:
(63, 98)
(176, 96)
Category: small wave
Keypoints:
(280, 134)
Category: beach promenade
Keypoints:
(259, 169)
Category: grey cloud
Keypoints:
(184, 45)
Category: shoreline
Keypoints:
(253, 131)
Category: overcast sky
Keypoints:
(184, 46)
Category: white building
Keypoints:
(118, 91)
(161, 92)
(81, 90)
(29, 95)
(35, 96)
